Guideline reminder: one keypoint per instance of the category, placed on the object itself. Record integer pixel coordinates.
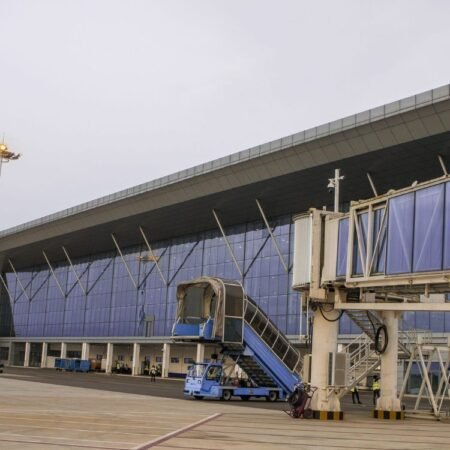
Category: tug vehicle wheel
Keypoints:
(272, 397)
(227, 395)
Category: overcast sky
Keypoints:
(101, 95)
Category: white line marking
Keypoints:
(172, 434)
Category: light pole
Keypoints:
(333, 183)
(7, 156)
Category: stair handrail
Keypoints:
(295, 368)
(411, 336)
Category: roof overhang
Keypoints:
(397, 143)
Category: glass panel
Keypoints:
(259, 322)
(280, 347)
(193, 303)
(269, 335)
(428, 228)
(380, 255)
(234, 301)
(447, 227)
(233, 330)
(341, 267)
(291, 359)
(249, 311)
(363, 220)
(400, 234)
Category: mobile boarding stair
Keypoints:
(218, 311)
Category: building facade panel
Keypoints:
(107, 296)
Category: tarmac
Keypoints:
(42, 415)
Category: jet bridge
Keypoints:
(397, 243)
(387, 255)
(215, 310)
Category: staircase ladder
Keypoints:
(266, 355)
(369, 322)
(363, 359)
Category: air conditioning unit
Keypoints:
(338, 368)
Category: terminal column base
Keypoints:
(200, 357)
(328, 415)
(109, 358)
(388, 415)
(136, 367)
(26, 362)
(165, 361)
(44, 355)
(85, 350)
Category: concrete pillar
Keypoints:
(136, 367)
(63, 350)
(388, 400)
(200, 357)
(44, 355)
(11, 354)
(26, 361)
(109, 357)
(324, 341)
(85, 350)
(165, 361)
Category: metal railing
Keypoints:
(362, 358)
(271, 335)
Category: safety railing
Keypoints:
(362, 357)
(271, 335)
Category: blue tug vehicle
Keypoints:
(217, 311)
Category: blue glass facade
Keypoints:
(113, 306)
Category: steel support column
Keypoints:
(200, 356)
(44, 355)
(109, 357)
(269, 229)
(54, 275)
(152, 255)
(230, 250)
(85, 347)
(136, 366)
(6, 288)
(324, 342)
(165, 361)
(124, 262)
(389, 400)
(18, 280)
(74, 271)
(26, 361)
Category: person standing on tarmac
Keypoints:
(355, 394)
(376, 389)
(153, 374)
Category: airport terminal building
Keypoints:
(98, 281)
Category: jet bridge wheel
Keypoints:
(226, 395)
(272, 397)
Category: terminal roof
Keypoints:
(397, 143)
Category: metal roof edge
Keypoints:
(413, 102)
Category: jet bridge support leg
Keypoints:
(388, 405)
(200, 355)
(325, 402)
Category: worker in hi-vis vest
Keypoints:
(376, 389)
(355, 393)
